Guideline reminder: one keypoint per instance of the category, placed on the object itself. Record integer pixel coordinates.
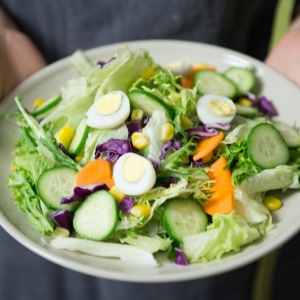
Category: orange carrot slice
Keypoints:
(186, 82)
(95, 172)
(222, 200)
(208, 145)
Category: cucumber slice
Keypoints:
(97, 217)
(148, 103)
(183, 217)
(291, 135)
(79, 139)
(212, 82)
(54, 184)
(266, 147)
(246, 111)
(47, 106)
(243, 78)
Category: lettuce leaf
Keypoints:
(281, 177)
(26, 199)
(151, 244)
(252, 210)
(153, 131)
(227, 233)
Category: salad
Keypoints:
(131, 158)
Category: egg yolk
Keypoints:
(221, 108)
(108, 104)
(133, 169)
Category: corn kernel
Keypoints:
(245, 101)
(137, 114)
(65, 136)
(272, 203)
(207, 158)
(186, 122)
(80, 156)
(186, 159)
(146, 74)
(37, 102)
(117, 193)
(167, 132)
(140, 140)
(141, 210)
(60, 232)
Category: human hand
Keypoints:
(19, 58)
(285, 57)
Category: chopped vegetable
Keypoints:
(206, 146)
(222, 200)
(96, 171)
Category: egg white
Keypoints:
(207, 116)
(139, 187)
(98, 121)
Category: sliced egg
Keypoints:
(133, 174)
(179, 68)
(213, 109)
(108, 111)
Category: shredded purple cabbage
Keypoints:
(63, 149)
(134, 126)
(168, 183)
(63, 218)
(82, 192)
(203, 131)
(197, 163)
(113, 149)
(156, 164)
(266, 107)
(223, 126)
(102, 63)
(172, 145)
(180, 257)
(251, 97)
(145, 120)
(126, 204)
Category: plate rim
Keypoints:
(12, 230)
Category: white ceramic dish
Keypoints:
(47, 82)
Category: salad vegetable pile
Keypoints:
(131, 158)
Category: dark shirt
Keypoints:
(59, 28)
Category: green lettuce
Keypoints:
(281, 177)
(151, 244)
(252, 210)
(153, 131)
(174, 164)
(226, 233)
(27, 200)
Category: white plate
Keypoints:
(47, 82)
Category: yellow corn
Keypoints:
(37, 102)
(137, 114)
(186, 122)
(140, 140)
(80, 156)
(167, 132)
(141, 210)
(146, 74)
(117, 193)
(186, 160)
(272, 203)
(245, 101)
(60, 232)
(207, 158)
(65, 136)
